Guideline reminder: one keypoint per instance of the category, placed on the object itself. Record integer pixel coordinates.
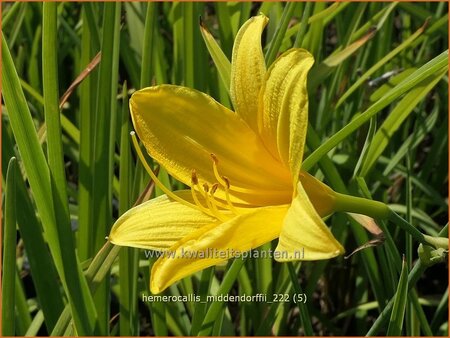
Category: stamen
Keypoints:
(227, 182)
(155, 179)
(215, 204)
(214, 188)
(214, 158)
(210, 201)
(194, 180)
(216, 171)
(227, 194)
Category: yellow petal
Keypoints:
(283, 108)
(213, 244)
(248, 69)
(319, 194)
(158, 223)
(304, 235)
(181, 127)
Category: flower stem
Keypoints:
(436, 242)
(360, 205)
(414, 232)
(375, 209)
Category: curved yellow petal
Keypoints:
(248, 69)
(181, 127)
(158, 223)
(304, 235)
(283, 108)
(213, 244)
(321, 196)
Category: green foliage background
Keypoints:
(381, 138)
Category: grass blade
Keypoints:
(216, 307)
(414, 275)
(45, 278)
(275, 44)
(9, 252)
(9, 14)
(97, 271)
(78, 293)
(304, 313)
(200, 308)
(431, 67)
(221, 61)
(399, 307)
(303, 25)
(104, 128)
(395, 119)
(23, 317)
(39, 178)
(320, 72)
(128, 259)
(87, 95)
(147, 46)
(35, 325)
(380, 63)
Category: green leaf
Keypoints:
(380, 63)
(435, 65)
(128, 259)
(23, 317)
(87, 97)
(147, 46)
(200, 307)
(95, 274)
(45, 278)
(395, 119)
(391, 83)
(8, 14)
(321, 71)
(399, 307)
(35, 325)
(303, 24)
(275, 44)
(104, 143)
(39, 178)
(304, 313)
(78, 293)
(216, 307)
(9, 252)
(369, 138)
(222, 63)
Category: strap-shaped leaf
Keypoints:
(398, 310)
(396, 118)
(222, 63)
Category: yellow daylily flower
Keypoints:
(242, 167)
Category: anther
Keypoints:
(194, 181)
(194, 178)
(227, 181)
(212, 205)
(205, 187)
(214, 188)
(227, 194)
(214, 158)
(215, 170)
